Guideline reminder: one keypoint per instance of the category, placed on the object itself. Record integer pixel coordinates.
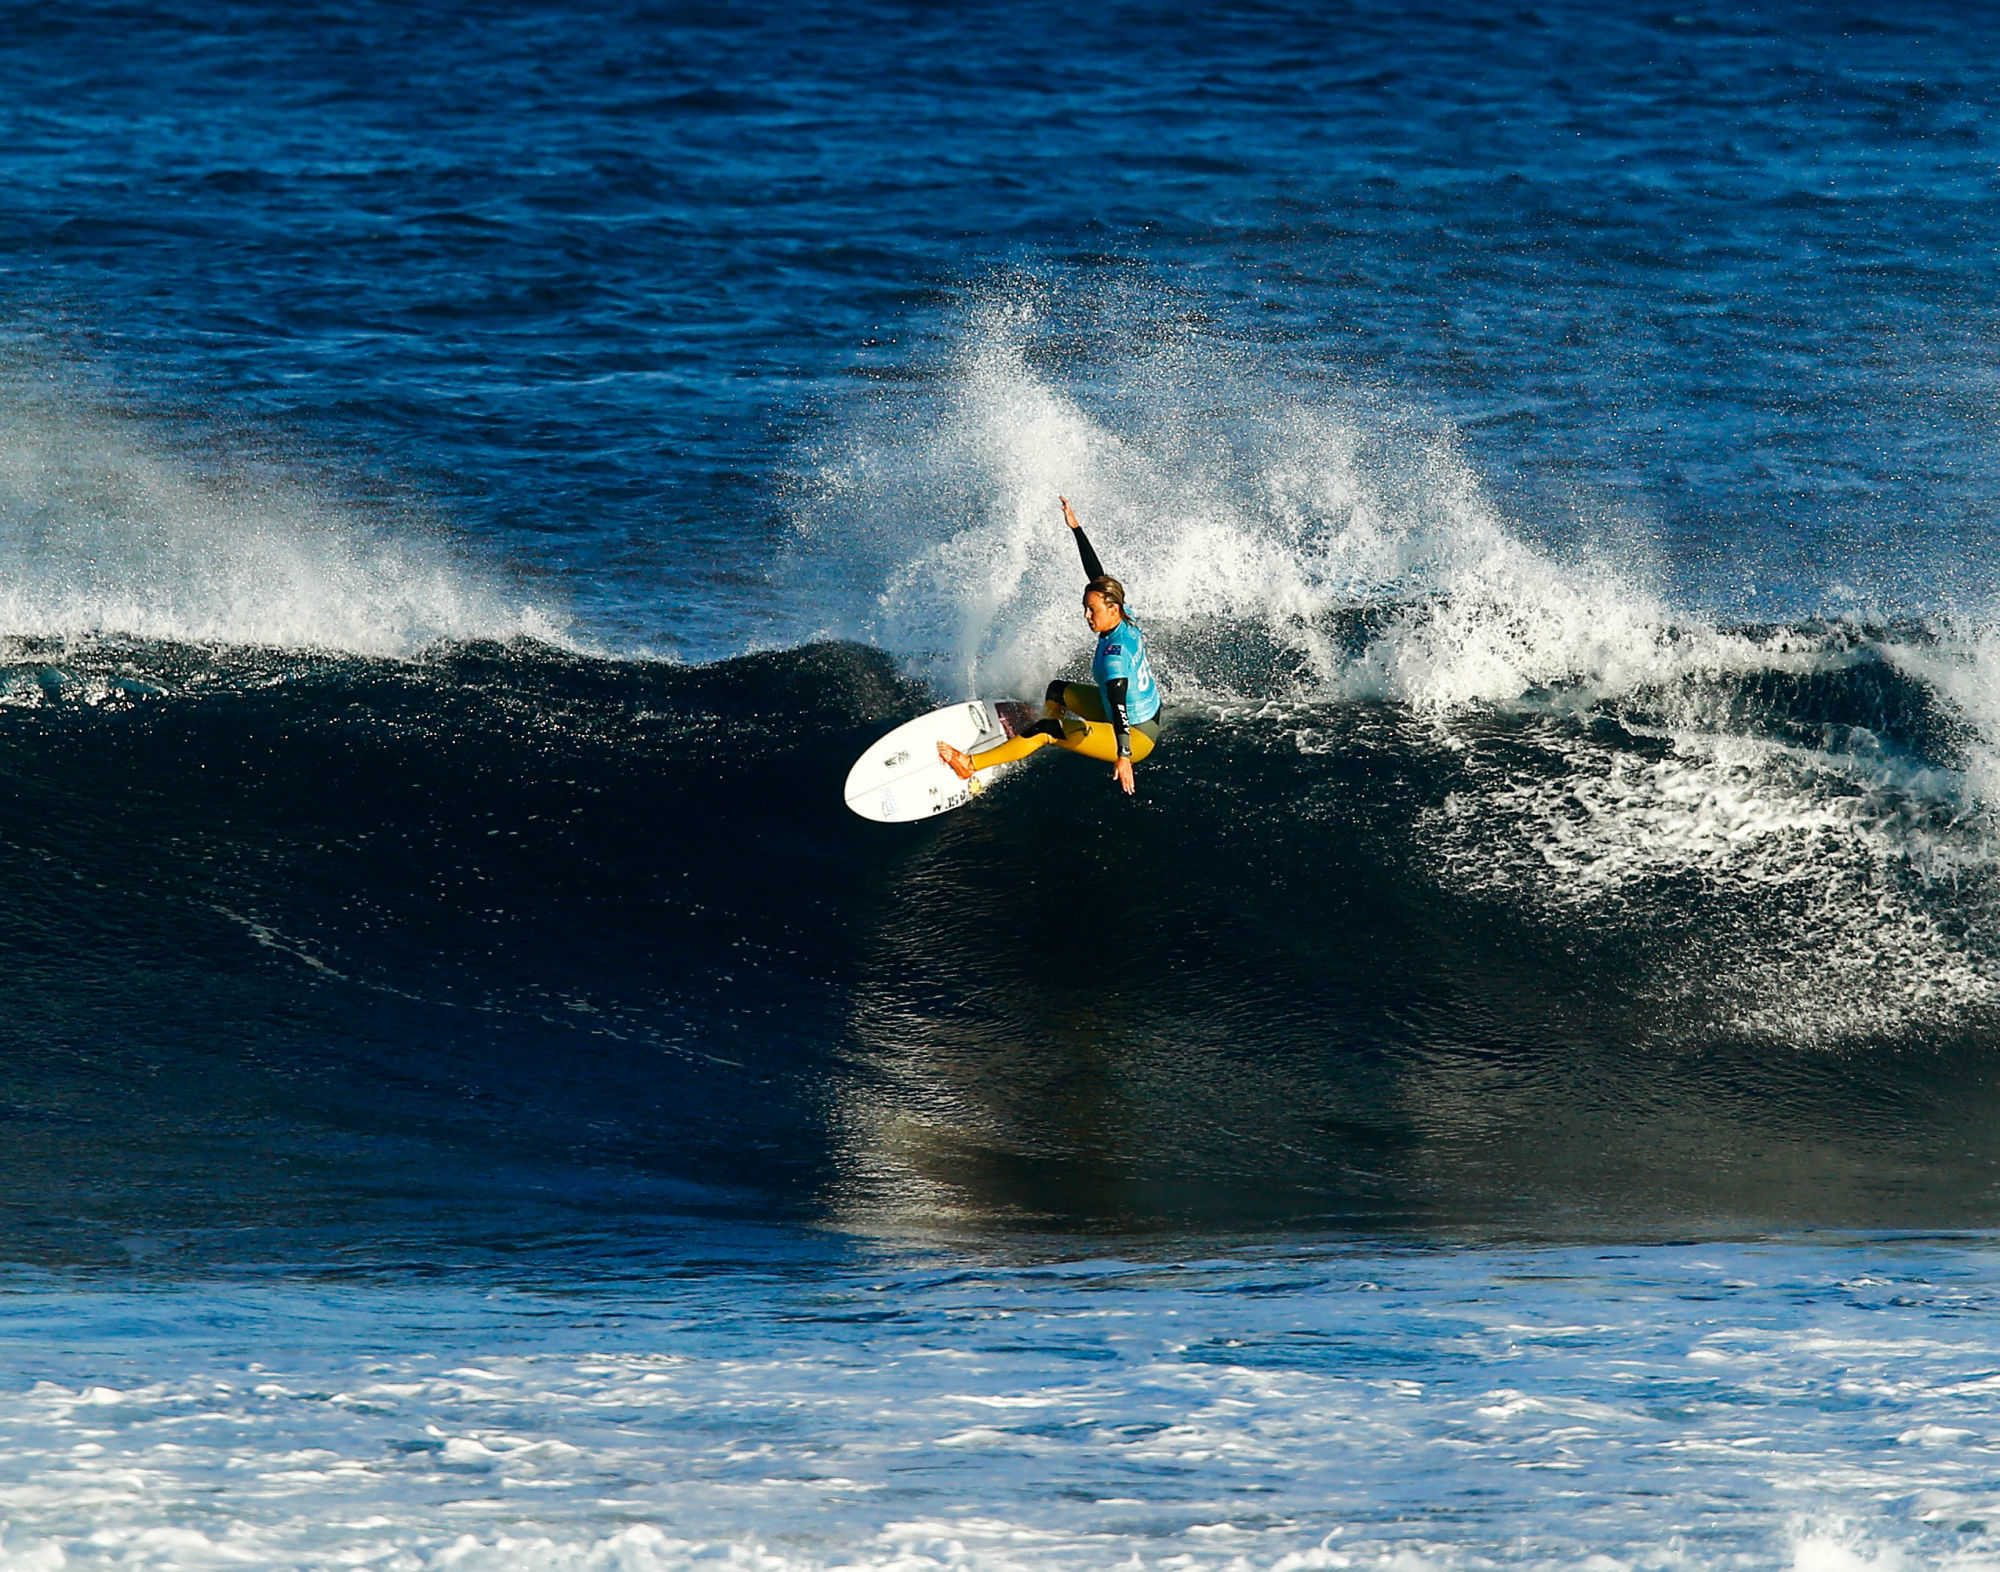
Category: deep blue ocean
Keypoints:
(1518, 1087)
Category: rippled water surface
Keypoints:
(1710, 1406)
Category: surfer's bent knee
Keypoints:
(1096, 740)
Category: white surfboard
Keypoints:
(902, 778)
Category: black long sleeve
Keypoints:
(1092, 568)
(1117, 688)
(1115, 692)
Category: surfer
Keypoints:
(1115, 717)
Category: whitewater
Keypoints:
(1724, 1405)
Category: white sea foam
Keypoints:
(1237, 504)
(1712, 1407)
(1962, 664)
(1242, 510)
(1835, 895)
(103, 530)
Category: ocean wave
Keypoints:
(1342, 916)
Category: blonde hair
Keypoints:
(1104, 584)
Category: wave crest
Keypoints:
(109, 531)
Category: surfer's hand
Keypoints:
(1121, 772)
(1069, 518)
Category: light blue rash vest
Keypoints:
(1122, 653)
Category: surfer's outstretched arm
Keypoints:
(1092, 568)
(1121, 653)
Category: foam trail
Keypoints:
(105, 533)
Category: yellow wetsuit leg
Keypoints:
(1096, 740)
(1079, 698)
(1086, 731)
(1010, 750)
(1090, 733)
(1082, 698)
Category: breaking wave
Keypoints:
(1458, 835)
(109, 527)
(1803, 806)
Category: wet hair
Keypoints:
(1104, 584)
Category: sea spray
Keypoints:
(107, 529)
(1229, 493)
(1294, 553)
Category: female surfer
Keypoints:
(1119, 718)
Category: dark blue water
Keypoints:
(473, 477)
(586, 284)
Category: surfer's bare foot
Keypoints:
(959, 760)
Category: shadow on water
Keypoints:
(507, 953)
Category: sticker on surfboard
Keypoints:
(901, 777)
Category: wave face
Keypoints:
(1487, 878)
(1576, 806)
(479, 945)
(1441, 789)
